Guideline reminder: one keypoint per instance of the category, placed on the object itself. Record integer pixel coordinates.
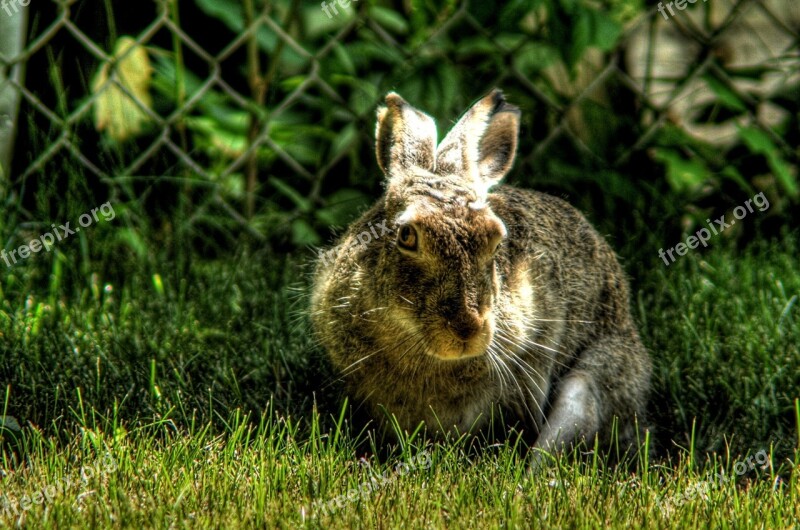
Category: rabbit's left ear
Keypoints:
(405, 138)
(483, 143)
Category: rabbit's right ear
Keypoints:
(482, 145)
(405, 138)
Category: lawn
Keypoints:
(190, 394)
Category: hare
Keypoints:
(477, 295)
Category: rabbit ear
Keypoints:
(405, 138)
(483, 143)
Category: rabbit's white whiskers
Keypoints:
(422, 359)
(495, 369)
(351, 368)
(348, 370)
(421, 336)
(528, 374)
(363, 314)
(516, 383)
(406, 300)
(530, 342)
(526, 343)
(375, 309)
(562, 320)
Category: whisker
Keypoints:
(519, 387)
(406, 300)
(519, 362)
(562, 320)
(527, 343)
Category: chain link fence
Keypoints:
(261, 112)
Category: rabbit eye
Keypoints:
(407, 237)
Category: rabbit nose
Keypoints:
(466, 325)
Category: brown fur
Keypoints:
(541, 327)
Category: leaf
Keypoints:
(606, 31)
(684, 175)
(513, 12)
(344, 59)
(229, 12)
(219, 140)
(389, 19)
(344, 141)
(474, 46)
(365, 54)
(315, 25)
(760, 143)
(574, 27)
(165, 80)
(731, 173)
(303, 204)
(534, 57)
(299, 141)
(450, 82)
(725, 95)
(114, 110)
(293, 82)
(581, 38)
(306, 155)
(304, 234)
(342, 207)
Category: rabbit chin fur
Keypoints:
(478, 299)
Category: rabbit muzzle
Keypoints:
(467, 335)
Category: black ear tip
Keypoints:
(497, 98)
(499, 103)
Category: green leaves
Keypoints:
(725, 95)
(389, 19)
(302, 203)
(685, 175)
(729, 107)
(342, 207)
(574, 27)
(760, 143)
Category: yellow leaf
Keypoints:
(115, 112)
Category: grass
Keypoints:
(191, 395)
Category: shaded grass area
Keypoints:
(202, 384)
(723, 329)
